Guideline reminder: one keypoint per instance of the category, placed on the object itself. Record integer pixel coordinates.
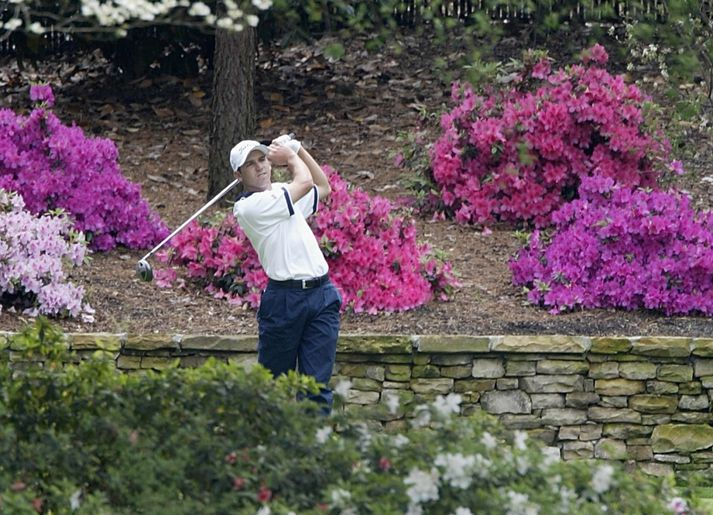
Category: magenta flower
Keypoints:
(42, 93)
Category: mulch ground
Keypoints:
(350, 114)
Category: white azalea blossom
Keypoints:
(423, 486)
(602, 478)
(340, 497)
(392, 402)
(489, 441)
(423, 416)
(462, 511)
(482, 466)
(551, 455)
(265, 510)
(457, 469)
(399, 441)
(414, 509)
(262, 4)
(519, 504)
(323, 434)
(519, 440)
(199, 9)
(342, 388)
(448, 405)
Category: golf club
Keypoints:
(143, 268)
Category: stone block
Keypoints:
(426, 371)
(101, 341)
(618, 387)
(397, 372)
(662, 346)
(614, 401)
(552, 384)
(450, 360)
(520, 368)
(625, 415)
(543, 434)
(352, 369)
(692, 417)
(568, 433)
(432, 386)
(702, 457)
(396, 385)
(159, 363)
(561, 366)
(604, 370)
(577, 450)
(541, 343)
(125, 362)
(375, 344)
(458, 371)
(360, 397)
(366, 385)
(606, 345)
(707, 382)
(547, 400)
(488, 368)
(702, 347)
(672, 458)
(520, 421)
(637, 370)
(195, 361)
(507, 383)
(626, 431)
(590, 432)
(507, 401)
(581, 399)
(694, 402)
(653, 468)
(244, 360)
(235, 343)
(654, 403)
(702, 367)
(376, 372)
(690, 388)
(473, 385)
(150, 342)
(563, 416)
(682, 438)
(639, 453)
(610, 449)
(661, 387)
(655, 419)
(452, 343)
(675, 373)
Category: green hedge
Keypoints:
(80, 437)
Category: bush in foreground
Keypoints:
(35, 253)
(621, 248)
(83, 438)
(374, 257)
(54, 166)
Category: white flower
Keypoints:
(457, 469)
(199, 9)
(36, 28)
(424, 485)
(75, 500)
(342, 388)
(262, 4)
(265, 510)
(567, 497)
(678, 505)
(399, 441)
(519, 440)
(462, 511)
(551, 455)
(224, 23)
(323, 434)
(447, 405)
(414, 509)
(482, 466)
(340, 497)
(423, 416)
(252, 20)
(601, 480)
(392, 402)
(519, 504)
(522, 464)
(12, 24)
(489, 441)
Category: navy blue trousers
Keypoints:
(299, 328)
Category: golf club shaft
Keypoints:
(193, 217)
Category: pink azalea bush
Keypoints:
(519, 154)
(618, 247)
(56, 166)
(373, 256)
(33, 253)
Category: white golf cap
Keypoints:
(241, 151)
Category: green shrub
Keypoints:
(84, 438)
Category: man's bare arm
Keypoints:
(318, 176)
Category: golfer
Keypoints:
(298, 319)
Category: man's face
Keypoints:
(256, 172)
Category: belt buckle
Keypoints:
(304, 284)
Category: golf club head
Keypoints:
(144, 271)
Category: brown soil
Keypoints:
(349, 114)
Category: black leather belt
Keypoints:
(300, 284)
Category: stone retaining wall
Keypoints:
(640, 399)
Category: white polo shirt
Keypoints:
(278, 231)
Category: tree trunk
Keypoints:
(233, 102)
